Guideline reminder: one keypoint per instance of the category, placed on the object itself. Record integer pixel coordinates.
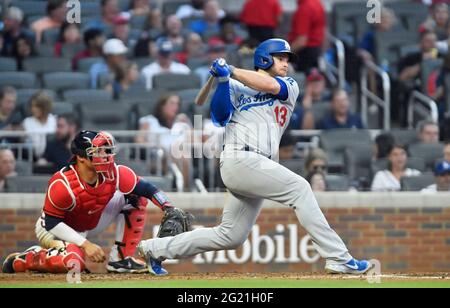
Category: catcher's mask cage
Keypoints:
(99, 148)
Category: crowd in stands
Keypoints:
(124, 49)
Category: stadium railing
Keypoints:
(423, 105)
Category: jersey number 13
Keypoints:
(281, 115)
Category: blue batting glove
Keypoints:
(221, 68)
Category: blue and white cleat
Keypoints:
(352, 267)
(154, 266)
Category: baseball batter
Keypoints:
(255, 107)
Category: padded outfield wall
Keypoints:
(406, 232)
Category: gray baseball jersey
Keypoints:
(259, 119)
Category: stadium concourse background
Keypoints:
(405, 232)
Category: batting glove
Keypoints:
(221, 68)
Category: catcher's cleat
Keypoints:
(154, 266)
(8, 264)
(352, 267)
(128, 265)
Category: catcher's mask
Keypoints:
(99, 148)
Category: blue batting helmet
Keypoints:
(263, 54)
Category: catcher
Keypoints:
(82, 200)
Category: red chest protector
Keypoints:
(81, 205)
(89, 201)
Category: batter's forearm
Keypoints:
(257, 81)
(202, 96)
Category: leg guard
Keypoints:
(133, 229)
(46, 261)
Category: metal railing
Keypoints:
(339, 70)
(424, 105)
(367, 94)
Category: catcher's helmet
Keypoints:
(263, 55)
(99, 148)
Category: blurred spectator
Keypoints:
(114, 52)
(366, 48)
(173, 32)
(216, 49)
(389, 179)
(428, 132)
(193, 49)
(69, 34)
(41, 123)
(56, 15)
(94, 41)
(316, 160)
(22, 49)
(287, 147)
(144, 48)
(194, 10)
(155, 21)
(7, 166)
(409, 69)
(228, 32)
(57, 152)
(2, 41)
(340, 116)
(12, 30)
(163, 64)
(447, 152)
(109, 9)
(209, 23)
(442, 178)
(303, 117)
(121, 29)
(438, 22)
(166, 128)
(126, 75)
(317, 181)
(10, 119)
(140, 7)
(383, 145)
(308, 33)
(261, 18)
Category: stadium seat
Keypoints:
(87, 96)
(417, 183)
(8, 64)
(27, 184)
(334, 143)
(348, 18)
(42, 65)
(24, 95)
(409, 14)
(20, 80)
(138, 22)
(70, 50)
(176, 82)
(105, 116)
(429, 152)
(195, 63)
(337, 182)
(188, 99)
(62, 81)
(84, 65)
(320, 110)
(388, 44)
(404, 136)
(60, 108)
(170, 7)
(30, 7)
(24, 167)
(295, 165)
(50, 36)
(44, 50)
(357, 162)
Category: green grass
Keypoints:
(232, 283)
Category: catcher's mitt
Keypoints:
(175, 221)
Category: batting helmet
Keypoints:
(264, 53)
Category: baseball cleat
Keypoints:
(128, 265)
(352, 267)
(154, 266)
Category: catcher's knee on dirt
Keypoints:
(43, 260)
(130, 233)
